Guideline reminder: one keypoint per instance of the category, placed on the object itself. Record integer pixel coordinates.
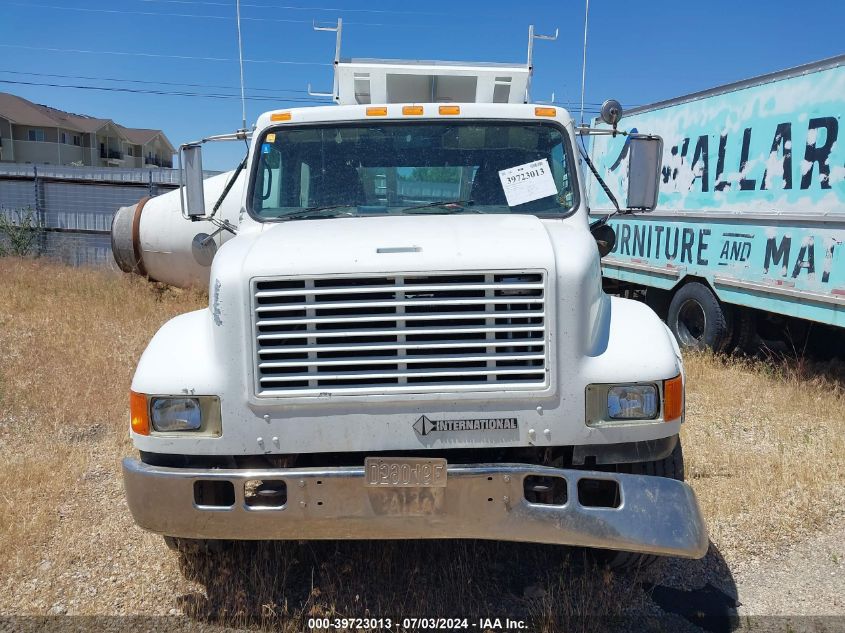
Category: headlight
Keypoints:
(176, 414)
(196, 415)
(611, 404)
(632, 402)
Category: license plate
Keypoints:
(405, 472)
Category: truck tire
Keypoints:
(744, 337)
(698, 319)
(658, 300)
(672, 467)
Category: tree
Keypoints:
(19, 231)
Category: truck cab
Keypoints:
(408, 338)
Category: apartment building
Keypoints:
(34, 133)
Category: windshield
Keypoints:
(403, 168)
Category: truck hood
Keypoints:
(400, 243)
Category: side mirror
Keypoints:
(190, 173)
(611, 112)
(645, 154)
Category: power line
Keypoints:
(159, 14)
(168, 93)
(589, 105)
(161, 55)
(294, 8)
(147, 82)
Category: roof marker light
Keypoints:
(377, 111)
(280, 116)
(412, 110)
(545, 111)
(444, 109)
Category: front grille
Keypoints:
(401, 333)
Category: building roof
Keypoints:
(22, 112)
(142, 136)
(138, 136)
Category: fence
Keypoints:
(75, 205)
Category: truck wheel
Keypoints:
(671, 467)
(698, 319)
(658, 300)
(744, 334)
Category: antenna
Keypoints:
(338, 28)
(241, 61)
(531, 37)
(550, 101)
(584, 63)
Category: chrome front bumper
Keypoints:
(482, 501)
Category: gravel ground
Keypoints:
(808, 579)
(797, 588)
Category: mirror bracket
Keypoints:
(191, 187)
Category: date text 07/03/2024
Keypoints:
(415, 624)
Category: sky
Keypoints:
(637, 52)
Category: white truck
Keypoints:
(407, 337)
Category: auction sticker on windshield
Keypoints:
(528, 182)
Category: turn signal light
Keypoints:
(280, 116)
(376, 111)
(545, 111)
(673, 398)
(450, 109)
(415, 110)
(139, 413)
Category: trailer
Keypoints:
(747, 239)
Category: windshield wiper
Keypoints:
(316, 212)
(452, 206)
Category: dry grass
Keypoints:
(763, 442)
(765, 448)
(69, 340)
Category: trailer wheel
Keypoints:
(672, 467)
(698, 319)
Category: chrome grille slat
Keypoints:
(407, 374)
(391, 304)
(261, 294)
(437, 316)
(449, 332)
(394, 360)
(473, 330)
(363, 347)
